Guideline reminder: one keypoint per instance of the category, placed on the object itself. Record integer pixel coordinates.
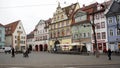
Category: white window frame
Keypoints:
(110, 32)
(117, 32)
(110, 19)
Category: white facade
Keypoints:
(19, 29)
(30, 42)
(15, 35)
(41, 36)
(101, 30)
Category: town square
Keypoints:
(69, 35)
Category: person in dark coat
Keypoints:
(13, 52)
(25, 53)
(109, 53)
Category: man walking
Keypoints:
(109, 53)
(13, 52)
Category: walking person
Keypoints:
(13, 52)
(109, 54)
(25, 53)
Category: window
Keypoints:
(61, 16)
(111, 32)
(54, 18)
(0, 39)
(118, 18)
(58, 33)
(98, 36)
(102, 24)
(98, 25)
(58, 24)
(15, 41)
(97, 16)
(62, 24)
(103, 35)
(63, 32)
(19, 27)
(67, 31)
(80, 35)
(84, 34)
(58, 18)
(100, 46)
(0, 31)
(50, 35)
(54, 26)
(110, 20)
(118, 32)
(88, 34)
(102, 15)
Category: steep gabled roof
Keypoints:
(89, 8)
(69, 10)
(48, 22)
(113, 9)
(10, 28)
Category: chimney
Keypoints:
(83, 5)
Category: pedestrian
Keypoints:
(25, 53)
(13, 52)
(109, 54)
(94, 51)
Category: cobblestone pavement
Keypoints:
(48, 60)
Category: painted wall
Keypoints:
(2, 36)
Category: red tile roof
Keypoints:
(89, 8)
(69, 10)
(10, 28)
(30, 35)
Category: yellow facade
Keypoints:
(66, 41)
(60, 28)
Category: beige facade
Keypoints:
(60, 28)
(15, 35)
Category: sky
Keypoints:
(31, 11)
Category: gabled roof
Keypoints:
(114, 8)
(69, 10)
(30, 35)
(48, 22)
(10, 28)
(89, 8)
(1, 25)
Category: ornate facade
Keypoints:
(60, 26)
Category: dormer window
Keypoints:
(98, 7)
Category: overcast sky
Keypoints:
(31, 11)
